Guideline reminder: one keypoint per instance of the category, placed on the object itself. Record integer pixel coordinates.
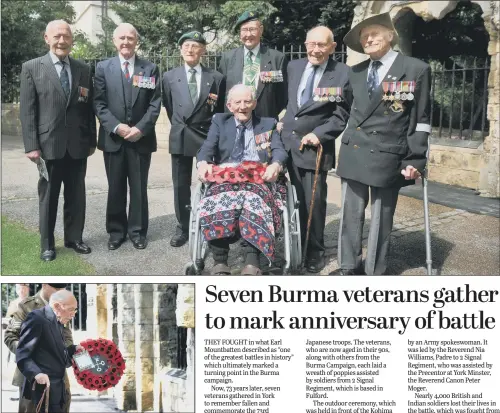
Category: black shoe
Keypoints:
(140, 243)
(342, 271)
(114, 244)
(315, 265)
(179, 239)
(78, 246)
(48, 255)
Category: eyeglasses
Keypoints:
(251, 30)
(312, 45)
(191, 46)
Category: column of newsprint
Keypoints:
(348, 345)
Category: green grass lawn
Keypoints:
(21, 254)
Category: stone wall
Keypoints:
(472, 168)
(177, 384)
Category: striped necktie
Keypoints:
(125, 71)
(64, 78)
(373, 81)
(193, 86)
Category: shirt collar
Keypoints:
(255, 50)
(248, 123)
(388, 58)
(321, 66)
(56, 60)
(131, 61)
(197, 68)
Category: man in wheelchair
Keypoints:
(235, 204)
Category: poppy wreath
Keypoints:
(109, 355)
(247, 171)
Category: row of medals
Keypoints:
(398, 90)
(328, 94)
(272, 76)
(398, 96)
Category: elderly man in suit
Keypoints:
(42, 355)
(13, 334)
(192, 94)
(254, 64)
(127, 103)
(317, 112)
(249, 209)
(385, 144)
(58, 126)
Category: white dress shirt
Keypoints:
(317, 77)
(255, 52)
(387, 60)
(58, 67)
(197, 75)
(131, 64)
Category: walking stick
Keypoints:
(45, 396)
(311, 205)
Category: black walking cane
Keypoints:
(311, 205)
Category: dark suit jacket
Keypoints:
(50, 122)
(326, 120)
(41, 349)
(189, 124)
(222, 134)
(379, 142)
(109, 101)
(271, 97)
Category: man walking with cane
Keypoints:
(385, 144)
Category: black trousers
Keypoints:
(71, 172)
(124, 165)
(182, 169)
(303, 180)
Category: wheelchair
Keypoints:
(289, 234)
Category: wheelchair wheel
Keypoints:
(294, 230)
(195, 200)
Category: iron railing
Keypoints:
(459, 93)
(79, 322)
(459, 99)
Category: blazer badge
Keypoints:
(396, 93)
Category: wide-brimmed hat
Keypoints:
(351, 39)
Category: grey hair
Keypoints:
(54, 23)
(240, 87)
(60, 296)
(125, 26)
(330, 33)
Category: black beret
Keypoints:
(246, 17)
(194, 35)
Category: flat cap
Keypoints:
(246, 17)
(352, 39)
(194, 35)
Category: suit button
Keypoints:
(355, 146)
(296, 118)
(180, 104)
(386, 112)
(358, 128)
(372, 151)
(374, 132)
(293, 132)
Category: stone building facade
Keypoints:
(153, 326)
(475, 168)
